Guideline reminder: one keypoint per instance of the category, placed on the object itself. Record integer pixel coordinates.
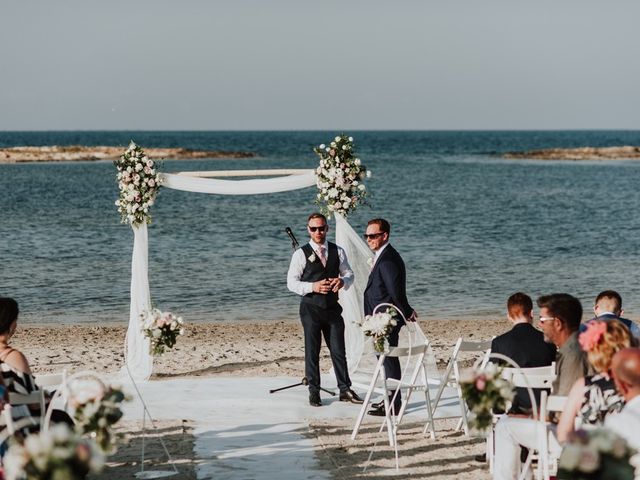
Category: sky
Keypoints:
(302, 65)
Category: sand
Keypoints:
(264, 349)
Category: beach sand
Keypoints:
(264, 349)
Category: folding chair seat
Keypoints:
(451, 376)
(414, 378)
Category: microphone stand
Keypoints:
(304, 382)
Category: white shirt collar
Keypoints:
(379, 252)
(316, 246)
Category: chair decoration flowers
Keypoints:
(340, 176)
(378, 326)
(139, 182)
(96, 410)
(484, 391)
(162, 328)
(57, 453)
(596, 454)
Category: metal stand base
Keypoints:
(304, 382)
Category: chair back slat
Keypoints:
(523, 380)
(474, 346)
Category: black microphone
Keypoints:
(294, 242)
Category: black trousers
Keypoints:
(319, 322)
(392, 364)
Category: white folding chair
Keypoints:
(451, 376)
(416, 381)
(51, 381)
(20, 405)
(533, 378)
(547, 460)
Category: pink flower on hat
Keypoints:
(592, 335)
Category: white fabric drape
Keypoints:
(238, 187)
(138, 358)
(352, 300)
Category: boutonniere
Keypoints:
(312, 257)
(370, 262)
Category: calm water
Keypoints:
(472, 227)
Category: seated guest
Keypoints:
(625, 369)
(593, 397)
(608, 306)
(560, 316)
(16, 372)
(524, 344)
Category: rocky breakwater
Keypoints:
(72, 153)
(583, 153)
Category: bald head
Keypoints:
(625, 367)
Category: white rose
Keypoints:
(345, 205)
(139, 167)
(129, 169)
(337, 139)
(357, 161)
(351, 139)
(344, 147)
(132, 145)
(322, 146)
(368, 173)
(361, 187)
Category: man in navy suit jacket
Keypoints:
(524, 344)
(387, 284)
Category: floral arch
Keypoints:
(338, 178)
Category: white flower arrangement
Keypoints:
(312, 257)
(96, 409)
(339, 177)
(162, 328)
(139, 182)
(598, 454)
(379, 326)
(58, 453)
(484, 391)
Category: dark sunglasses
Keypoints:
(372, 235)
(317, 229)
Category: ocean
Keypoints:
(473, 227)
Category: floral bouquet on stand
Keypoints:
(58, 453)
(378, 326)
(162, 328)
(484, 391)
(138, 181)
(596, 454)
(339, 177)
(96, 411)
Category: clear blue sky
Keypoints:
(217, 65)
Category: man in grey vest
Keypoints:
(318, 270)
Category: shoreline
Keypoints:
(82, 153)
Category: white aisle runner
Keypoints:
(242, 431)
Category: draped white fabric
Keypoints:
(238, 187)
(138, 358)
(352, 300)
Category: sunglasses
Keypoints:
(367, 236)
(317, 229)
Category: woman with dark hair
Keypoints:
(14, 366)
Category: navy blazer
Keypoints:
(388, 284)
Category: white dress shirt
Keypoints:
(298, 262)
(627, 422)
(378, 253)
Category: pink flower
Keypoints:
(481, 383)
(332, 152)
(592, 335)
